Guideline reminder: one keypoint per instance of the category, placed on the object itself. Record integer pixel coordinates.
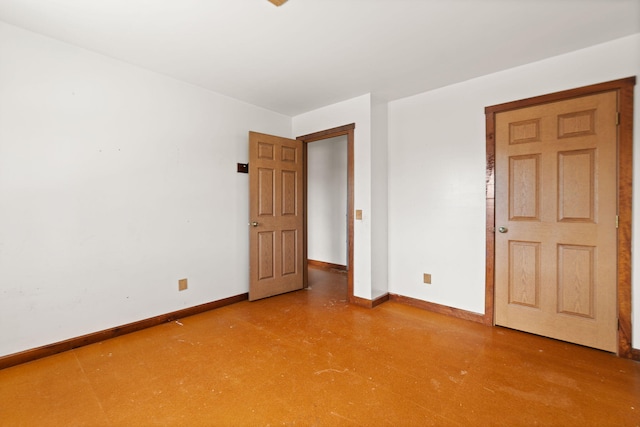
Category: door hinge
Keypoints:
(617, 221)
(617, 118)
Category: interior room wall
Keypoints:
(379, 198)
(327, 200)
(115, 182)
(356, 110)
(437, 172)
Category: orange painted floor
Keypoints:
(307, 358)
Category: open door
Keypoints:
(276, 215)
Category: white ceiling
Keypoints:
(311, 53)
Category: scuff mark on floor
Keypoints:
(335, 414)
(331, 370)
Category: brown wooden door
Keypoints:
(275, 215)
(556, 220)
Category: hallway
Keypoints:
(309, 358)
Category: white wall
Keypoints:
(358, 111)
(437, 172)
(379, 199)
(327, 200)
(115, 182)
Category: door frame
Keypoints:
(349, 131)
(624, 89)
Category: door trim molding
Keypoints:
(624, 89)
(349, 131)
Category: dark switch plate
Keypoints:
(243, 167)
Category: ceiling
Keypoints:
(310, 53)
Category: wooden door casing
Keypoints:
(348, 131)
(624, 89)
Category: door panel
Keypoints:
(556, 204)
(576, 186)
(524, 189)
(276, 215)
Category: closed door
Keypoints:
(276, 215)
(555, 255)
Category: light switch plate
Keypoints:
(358, 213)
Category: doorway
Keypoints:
(623, 91)
(327, 203)
(278, 259)
(348, 132)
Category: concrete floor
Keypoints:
(308, 358)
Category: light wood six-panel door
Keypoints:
(276, 215)
(556, 206)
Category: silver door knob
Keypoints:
(503, 229)
(254, 224)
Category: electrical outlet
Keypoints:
(182, 284)
(427, 278)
